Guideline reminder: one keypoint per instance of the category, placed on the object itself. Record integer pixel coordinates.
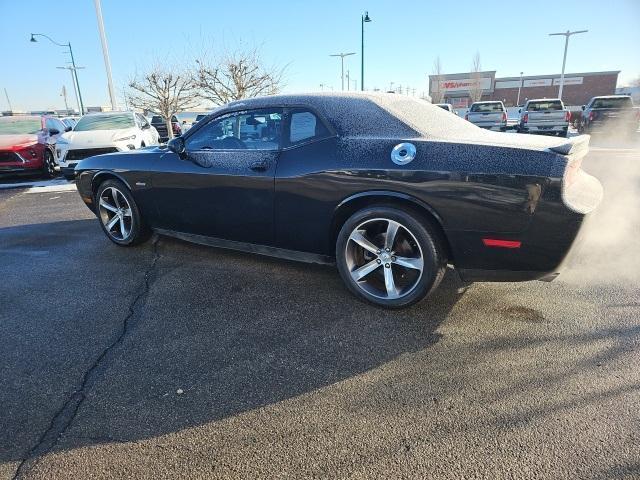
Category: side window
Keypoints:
(52, 123)
(142, 121)
(252, 130)
(304, 126)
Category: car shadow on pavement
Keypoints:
(189, 335)
(221, 333)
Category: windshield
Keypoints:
(20, 125)
(546, 105)
(104, 122)
(486, 107)
(615, 102)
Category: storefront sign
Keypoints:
(569, 81)
(508, 84)
(538, 82)
(465, 84)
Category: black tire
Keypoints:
(135, 231)
(415, 232)
(49, 164)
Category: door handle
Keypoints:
(259, 166)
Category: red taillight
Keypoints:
(591, 115)
(567, 116)
(496, 242)
(504, 116)
(525, 119)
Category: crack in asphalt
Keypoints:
(64, 417)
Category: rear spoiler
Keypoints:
(576, 147)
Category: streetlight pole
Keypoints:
(519, 88)
(566, 34)
(105, 54)
(363, 19)
(342, 55)
(76, 84)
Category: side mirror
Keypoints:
(583, 107)
(68, 129)
(519, 110)
(176, 145)
(146, 126)
(54, 131)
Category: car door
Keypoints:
(145, 130)
(223, 184)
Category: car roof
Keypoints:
(544, 99)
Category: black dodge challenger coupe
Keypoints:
(390, 188)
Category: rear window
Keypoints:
(159, 119)
(104, 122)
(486, 107)
(616, 102)
(545, 105)
(20, 125)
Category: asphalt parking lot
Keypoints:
(171, 359)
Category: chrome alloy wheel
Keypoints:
(115, 213)
(384, 258)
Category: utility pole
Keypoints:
(519, 88)
(342, 55)
(63, 94)
(566, 34)
(74, 75)
(391, 86)
(8, 101)
(105, 53)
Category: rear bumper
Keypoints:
(544, 128)
(498, 127)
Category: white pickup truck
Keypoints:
(490, 115)
(544, 115)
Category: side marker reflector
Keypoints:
(494, 242)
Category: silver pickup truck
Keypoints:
(491, 115)
(544, 115)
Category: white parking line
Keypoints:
(69, 187)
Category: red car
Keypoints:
(27, 144)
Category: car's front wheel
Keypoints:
(390, 257)
(48, 164)
(119, 215)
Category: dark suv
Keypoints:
(160, 125)
(611, 113)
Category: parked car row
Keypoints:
(549, 116)
(42, 144)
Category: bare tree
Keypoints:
(236, 75)
(165, 92)
(475, 89)
(436, 94)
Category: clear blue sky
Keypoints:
(401, 43)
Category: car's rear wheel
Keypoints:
(119, 215)
(390, 257)
(48, 164)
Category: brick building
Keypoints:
(578, 87)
